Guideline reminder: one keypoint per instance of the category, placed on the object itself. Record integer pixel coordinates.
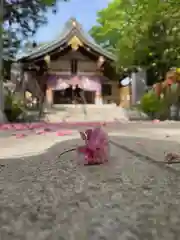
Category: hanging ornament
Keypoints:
(74, 23)
(100, 62)
(178, 75)
(171, 77)
(178, 70)
(162, 95)
(47, 59)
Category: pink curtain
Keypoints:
(86, 83)
(91, 84)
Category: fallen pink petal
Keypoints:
(63, 133)
(20, 135)
(40, 132)
(156, 121)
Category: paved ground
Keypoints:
(110, 126)
(134, 197)
(12, 144)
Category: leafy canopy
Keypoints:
(21, 19)
(141, 33)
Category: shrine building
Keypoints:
(74, 58)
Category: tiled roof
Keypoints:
(71, 28)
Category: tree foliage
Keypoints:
(141, 33)
(21, 19)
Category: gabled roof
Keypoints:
(71, 28)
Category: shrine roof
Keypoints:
(72, 28)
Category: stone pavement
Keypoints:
(30, 145)
(130, 198)
(33, 144)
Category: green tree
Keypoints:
(22, 18)
(141, 33)
(106, 32)
(19, 19)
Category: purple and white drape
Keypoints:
(88, 83)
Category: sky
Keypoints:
(83, 10)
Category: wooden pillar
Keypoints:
(124, 93)
(98, 98)
(49, 96)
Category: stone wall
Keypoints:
(139, 86)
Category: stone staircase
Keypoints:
(86, 113)
(135, 115)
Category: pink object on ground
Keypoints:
(64, 133)
(5, 126)
(19, 126)
(20, 135)
(40, 132)
(96, 148)
(156, 121)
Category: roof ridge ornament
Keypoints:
(74, 23)
(100, 61)
(75, 43)
(47, 59)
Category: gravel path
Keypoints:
(134, 197)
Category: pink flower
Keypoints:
(96, 149)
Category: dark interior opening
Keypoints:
(61, 98)
(106, 89)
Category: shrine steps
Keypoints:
(86, 113)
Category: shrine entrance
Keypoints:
(61, 97)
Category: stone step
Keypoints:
(97, 115)
(90, 114)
